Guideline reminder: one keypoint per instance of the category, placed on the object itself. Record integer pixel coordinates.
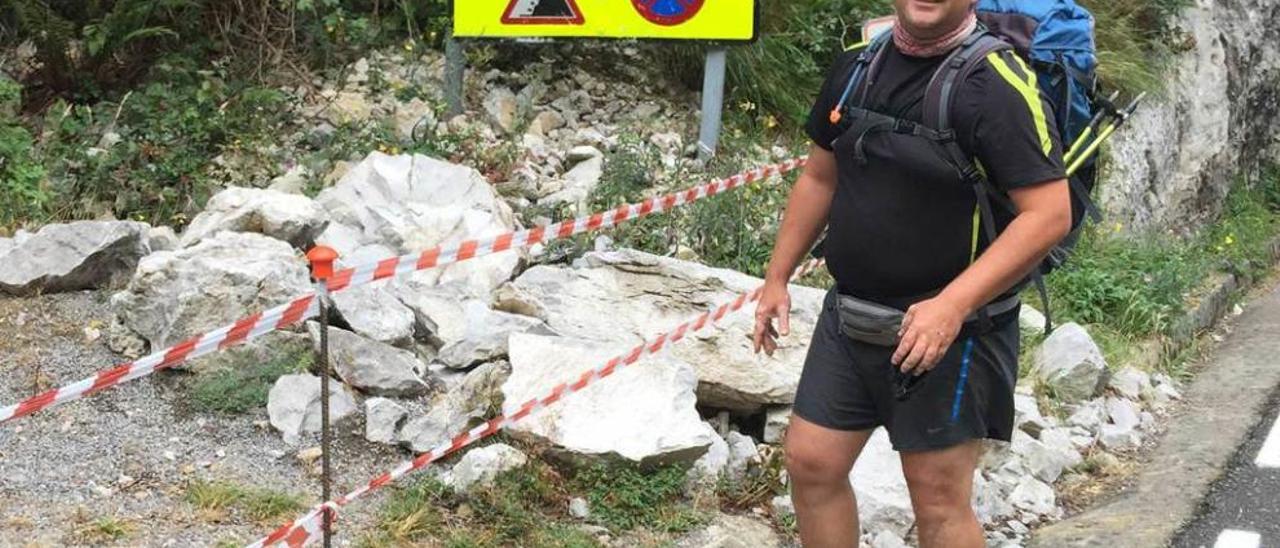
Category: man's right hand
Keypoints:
(775, 302)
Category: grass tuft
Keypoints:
(217, 499)
(244, 387)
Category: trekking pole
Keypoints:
(1105, 134)
(321, 258)
(1089, 129)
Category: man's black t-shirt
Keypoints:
(900, 227)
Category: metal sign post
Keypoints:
(712, 101)
(455, 65)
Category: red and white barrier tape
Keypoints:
(470, 249)
(309, 527)
(245, 329)
(304, 307)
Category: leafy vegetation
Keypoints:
(244, 387)
(1138, 287)
(150, 156)
(523, 507)
(625, 497)
(89, 50)
(528, 507)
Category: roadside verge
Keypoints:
(1222, 404)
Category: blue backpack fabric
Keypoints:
(1056, 37)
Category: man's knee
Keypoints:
(939, 494)
(941, 485)
(810, 465)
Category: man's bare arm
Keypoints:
(1044, 218)
(929, 328)
(806, 215)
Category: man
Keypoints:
(899, 235)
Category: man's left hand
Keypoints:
(928, 329)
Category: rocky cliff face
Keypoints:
(1173, 165)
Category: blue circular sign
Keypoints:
(667, 12)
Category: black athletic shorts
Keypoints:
(850, 385)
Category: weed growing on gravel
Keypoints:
(244, 387)
(217, 499)
(262, 505)
(627, 497)
(521, 508)
(414, 512)
(103, 530)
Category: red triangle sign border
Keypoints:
(509, 19)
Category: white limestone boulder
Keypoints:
(293, 218)
(643, 413)
(1071, 364)
(479, 467)
(412, 203)
(70, 257)
(627, 296)
(373, 367)
(178, 294)
(293, 405)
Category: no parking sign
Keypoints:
(727, 20)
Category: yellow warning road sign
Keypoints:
(729, 20)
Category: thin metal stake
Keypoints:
(326, 436)
(322, 259)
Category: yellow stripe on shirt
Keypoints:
(1029, 92)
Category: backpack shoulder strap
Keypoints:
(940, 93)
(866, 61)
(874, 56)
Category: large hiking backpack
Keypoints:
(1055, 39)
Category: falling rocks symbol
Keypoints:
(667, 12)
(542, 12)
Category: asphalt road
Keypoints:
(1242, 509)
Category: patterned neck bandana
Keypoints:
(914, 47)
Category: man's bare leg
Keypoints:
(818, 462)
(941, 484)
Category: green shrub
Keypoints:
(23, 194)
(625, 497)
(169, 133)
(245, 386)
(1139, 286)
(87, 49)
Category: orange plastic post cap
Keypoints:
(321, 258)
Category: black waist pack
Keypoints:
(869, 322)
